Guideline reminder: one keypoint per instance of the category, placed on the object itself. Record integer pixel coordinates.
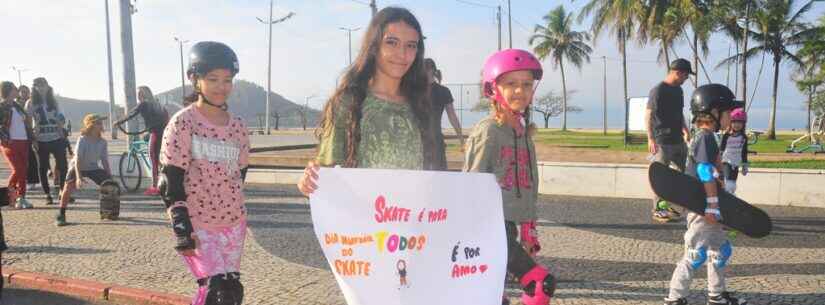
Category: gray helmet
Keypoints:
(206, 56)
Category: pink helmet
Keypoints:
(507, 61)
(739, 115)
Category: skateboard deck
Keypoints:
(688, 192)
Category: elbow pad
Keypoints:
(171, 185)
(705, 172)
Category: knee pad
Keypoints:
(223, 289)
(730, 186)
(697, 257)
(720, 259)
(538, 285)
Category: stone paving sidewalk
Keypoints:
(606, 251)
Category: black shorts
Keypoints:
(97, 175)
(730, 172)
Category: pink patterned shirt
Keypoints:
(212, 157)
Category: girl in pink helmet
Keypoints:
(502, 144)
(734, 147)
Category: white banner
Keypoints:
(412, 237)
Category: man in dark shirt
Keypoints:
(667, 132)
(441, 100)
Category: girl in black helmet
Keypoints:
(203, 164)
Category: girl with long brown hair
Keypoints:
(48, 122)
(378, 116)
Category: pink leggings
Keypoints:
(218, 251)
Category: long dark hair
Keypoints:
(6, 88)
(355, 83)
(37, 98)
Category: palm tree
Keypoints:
(733, 17)
(556, 38)
(778, 29)
(663, 23)
(811, 75)
(620, 16)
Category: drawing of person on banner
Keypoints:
(402, 273)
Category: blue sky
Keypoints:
(65, 42)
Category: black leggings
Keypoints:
(518, 261)
(730, 172)
(32, 177)
(57, 149)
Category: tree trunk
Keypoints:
(695, 59)
(623, 42)
(810, 100)
(546, 121)
(772, 121)
(667, 56)
(744, 82)
(563, 97)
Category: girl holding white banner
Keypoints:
(378, 115)
(502, 144)
(204, 157)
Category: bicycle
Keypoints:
(133, 161)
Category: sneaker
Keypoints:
(725, 298)
(49, 200)
(681, 301)
(60, 220)
(22, 203)
(152, 191)
(661, 216)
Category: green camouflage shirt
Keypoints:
(390, 136)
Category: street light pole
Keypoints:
(19, 74)
(373, 7)
(349, 41)
(510, 23)
(270, 22)
(604, 96)
(126, 11)
(111, 76)
(182, 73)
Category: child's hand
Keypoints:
(307, 185)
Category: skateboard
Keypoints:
(686, 191)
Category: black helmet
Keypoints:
(713, 96)
(206, 56)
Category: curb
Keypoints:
(91, 290)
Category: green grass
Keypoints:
(794, 164)
(613, 141)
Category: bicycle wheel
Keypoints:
(131, 172)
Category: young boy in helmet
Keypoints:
(705, 239)
(734, 146)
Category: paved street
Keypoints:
(605, 251)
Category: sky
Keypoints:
(65, 41)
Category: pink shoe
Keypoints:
(538, 286)
(152, 191)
